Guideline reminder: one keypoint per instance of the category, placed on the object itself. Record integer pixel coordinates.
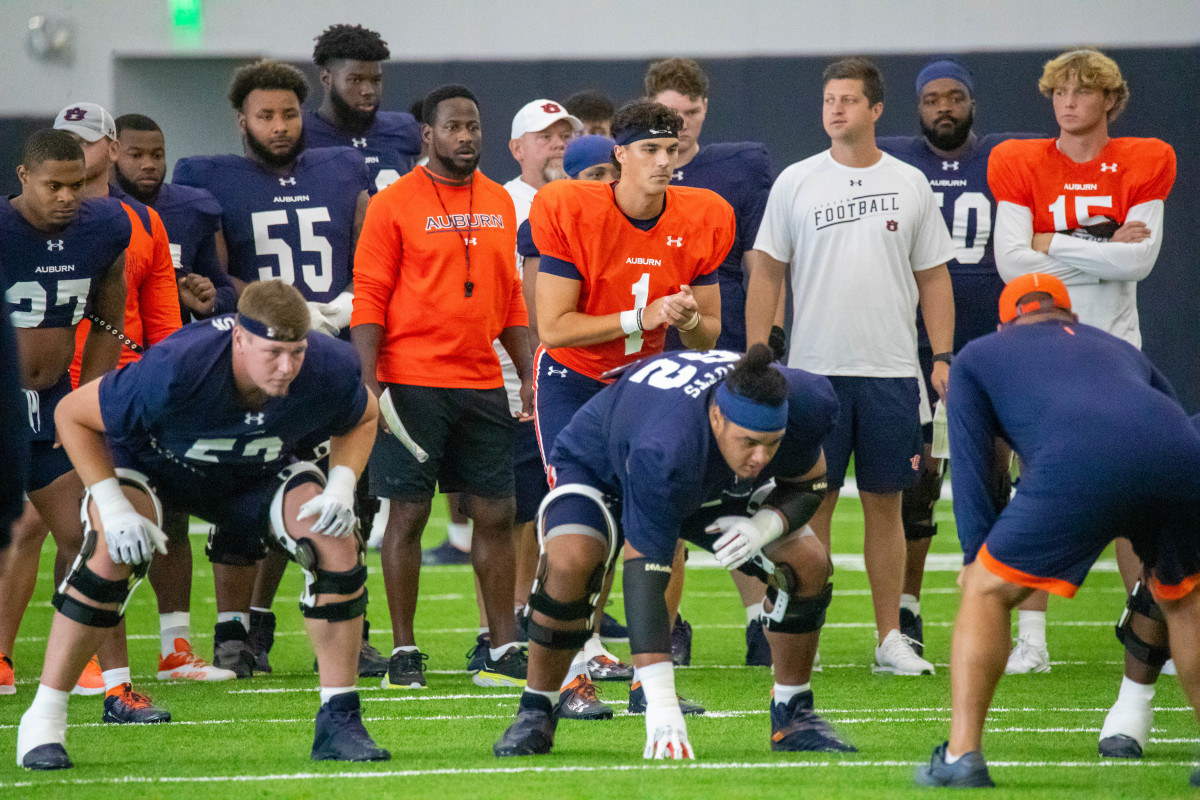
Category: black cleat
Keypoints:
(340, 734)
(262, 639)
(796, 727)
(232, 649)
(912, 626)
(578, 700)
(969, 772)
(611, 630)
(1120, 746)
(132, 707)
(758, 651)
(445, 555)
(681, 642)
(406, 670)
(508, 670)
(603, 668)
(47, 757)
(637, 702)
(532, 732)
(478, 653)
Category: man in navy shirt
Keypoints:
(1106, 451)
(191, 216)
(954, 159)
(349, 57)
(210, 421)
(677, 447)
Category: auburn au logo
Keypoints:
(551, 108)
(892, 225)
(74, 114)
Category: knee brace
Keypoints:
(316, 580)
(791, 613)
(584, 608)
(916, 508)
(1142, 602)
(645, 585)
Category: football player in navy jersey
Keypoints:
(191, 216)
(349, 57)
(741, 173)
(685, 445)
(954, 159)
(210, 421)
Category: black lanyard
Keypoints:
(468, 286)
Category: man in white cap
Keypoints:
(540, 132)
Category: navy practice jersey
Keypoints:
(391, 146)
(1087, 414)
(298, 227)
(14, 431)
(740, 172)
(47, 276)
(192, 218)
(646, 439)
(179, 413)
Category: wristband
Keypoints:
(689, 326)
(769, 523)
(629, 322)
(109, 498)
(341, 483)
(946, 357)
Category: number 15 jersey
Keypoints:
(297, 227)
(621, 267)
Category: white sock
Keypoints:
(753, 612)
(260, 610)
(405, 649)
(1134, 694)
(173, 625)
(230, 616)
(785, 693)
(459, 534)
(912, 603)
(45, 722)
(658, 682)
(332, 691)
(483, 629)
(1031, 626)
(115, 678)
(949, 757)
(551, 696)
(578, 667)
(496, 653)
(594, 648)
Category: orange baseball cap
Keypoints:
(1032, 282)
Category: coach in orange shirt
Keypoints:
(435, 283)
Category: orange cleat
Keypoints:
(183, 664)
(91, 681)
(7, 679)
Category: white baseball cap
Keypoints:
(539, 115)
(88, 120)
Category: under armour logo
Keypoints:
(562, 373)
(674, 241)
(1108, 167)
(552, 108)
(287, 181)
(916, 462)
(469, 240)
(662, 133)
(55, 244)
(255, 419)
(950, 165)
(359, 142)
(74, 114)
(892, 225)
(677, 175)
(855, 183)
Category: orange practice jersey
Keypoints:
(1065, 196)
(410, 268)
(151, 293)
(621, 267)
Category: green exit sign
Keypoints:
(187, 14)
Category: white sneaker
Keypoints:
(895, 656)
(1027, 657)
(1169, 667)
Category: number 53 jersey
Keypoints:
(297, 227)
(583, 235)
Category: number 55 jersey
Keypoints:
(297, 227)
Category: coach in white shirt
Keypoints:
(864, 240)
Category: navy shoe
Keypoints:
(445, 555)
(340, 735)
(912, 626)
(262, 639)
(681, 642)
(478, 653)
(758, 651)
(132, 707)
(611, 630)
(969, 772)
(1120, 746)
(1196, 778)
(796, 727)
(637, 702)
(532, 732)
(46, 757)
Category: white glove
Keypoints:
(132, 539)
(337, 311)
(334, 507)
(319, 322)
(669, 742)
(744, 537)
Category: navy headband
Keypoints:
(586, 151)
(260, 329)
(945, 68)
(749, 414)
(637, 134)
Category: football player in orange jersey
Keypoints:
(1088, 209)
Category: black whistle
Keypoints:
(468, 287)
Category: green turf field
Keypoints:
(252, 738)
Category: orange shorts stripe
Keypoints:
(1174, 591)
(1052, 585)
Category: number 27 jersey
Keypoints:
(621, 267)
(297, 227)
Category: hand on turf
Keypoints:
(669, 742)
(132, 539)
